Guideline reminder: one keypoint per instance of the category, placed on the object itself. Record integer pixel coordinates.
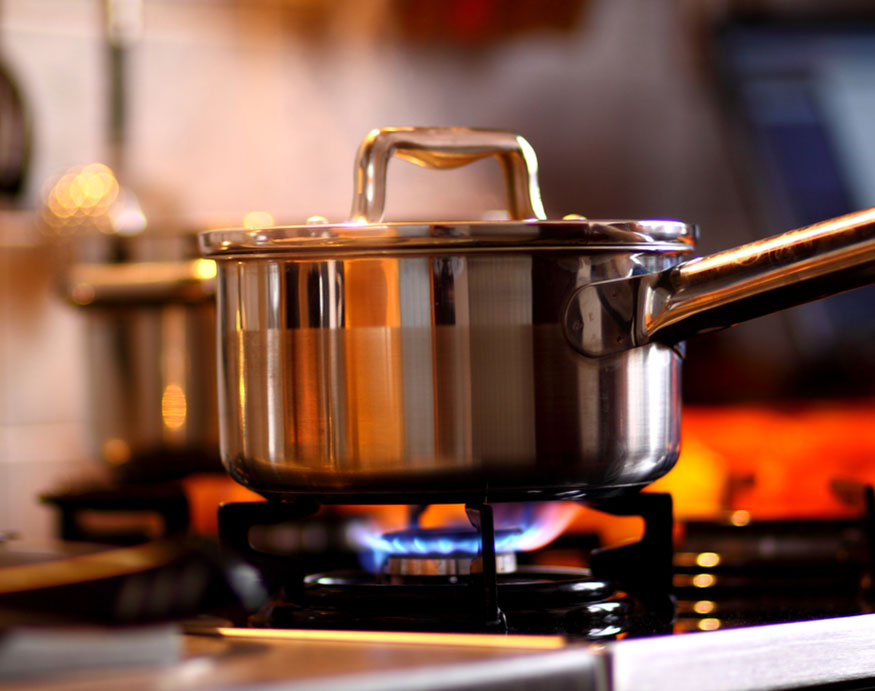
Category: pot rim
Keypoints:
(352, 238)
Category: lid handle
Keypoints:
(444, 148)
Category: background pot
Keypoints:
(150, 324)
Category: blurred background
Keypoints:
(747, 117)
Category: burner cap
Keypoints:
(445, 565)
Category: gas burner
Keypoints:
(445, 564)
(442, 552)
(533, 600)
(459, 580)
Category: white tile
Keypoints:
(22, 512)
(5, 491)
(5, 334)
(45, 443)
(41, 348)
(35, 459)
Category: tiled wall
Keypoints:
(43, 442)
(234, 110)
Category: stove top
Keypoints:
(827, 654)
(471, 579)
(731, 605)
(533, 601)
(736, 604)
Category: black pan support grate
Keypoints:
(643, 569)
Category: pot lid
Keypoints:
(528, 229)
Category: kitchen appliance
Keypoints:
(464, 578)
(739, 605)
(521, 359)
(729, 603)
(441, 362)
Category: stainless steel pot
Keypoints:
(531, 358)
(149, 308)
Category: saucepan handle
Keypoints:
(717, 291)
(443, 148)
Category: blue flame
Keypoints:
(519, 528)
(424, 542)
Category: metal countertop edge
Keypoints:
(570, 669)
(778, 656)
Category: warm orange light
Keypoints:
(82, 193)
(173, 406)
(704, 607)
(477, 640)
(116, 451)
(256, 220)
(703, 580)
(707, 559)
(82, 294)
(740, 518)
(709, 624)
(205, 492)
(204, 268)
(752, 462)
(697, 483)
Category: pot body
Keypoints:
(435, 375)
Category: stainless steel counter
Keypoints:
(784, 656)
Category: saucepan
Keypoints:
(481, 360)
(149, 313)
